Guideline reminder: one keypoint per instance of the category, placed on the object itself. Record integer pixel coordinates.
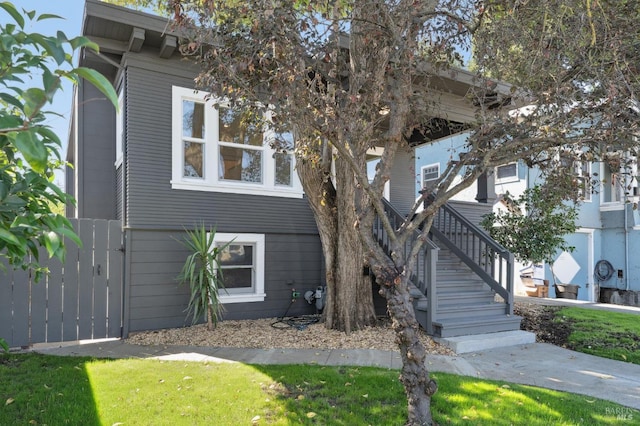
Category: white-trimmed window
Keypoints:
(507, 173)
(582, 172)
(242, 265)
(119, 128)
(429, 173)
(583, 169)
(216, 149)
(612, 185)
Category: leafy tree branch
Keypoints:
(29, 149)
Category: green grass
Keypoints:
(605, 334)
(39, 389)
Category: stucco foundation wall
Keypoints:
(620, 297)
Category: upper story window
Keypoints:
(581, 171)
(618, 180)
(584, 180)
(219, 149)
(430, 172)
(612, 181)
(507, 173)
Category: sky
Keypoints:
(71, 11)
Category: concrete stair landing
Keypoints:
(482, 342)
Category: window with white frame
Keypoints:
(612, 182)
(581, 170)
(242, 265)
(119, 128)
(219, 149)
(507, 173)
(429, 173)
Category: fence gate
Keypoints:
(80, 299)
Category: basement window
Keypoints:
(242, 266)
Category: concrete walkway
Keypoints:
(535, 364)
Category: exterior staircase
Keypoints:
(463, 283)
(465, 304)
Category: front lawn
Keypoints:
(38, 389)
(606, 334)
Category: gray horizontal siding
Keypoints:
(474, 212)
(157, 301)
(96, 151)
(152, 204)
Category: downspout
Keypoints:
(126, 261)
(627, 185)
(626, 240)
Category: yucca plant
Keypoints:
(202, 272)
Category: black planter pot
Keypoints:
(566, 291)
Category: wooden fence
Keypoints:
(80, 299)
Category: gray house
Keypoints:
(166, 161)
(156, 167)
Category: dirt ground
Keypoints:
(538, 319)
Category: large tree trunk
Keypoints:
(349, 304)
(349, 293)
(418, 386)
(351, 308)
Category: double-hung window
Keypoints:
(507, 173)
(612, 184)
(242, 265)
(583, 169)
(580, 170)
(217, 148)
(430, 173)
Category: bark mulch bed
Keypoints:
(274, 333)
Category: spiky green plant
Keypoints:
(202, 272)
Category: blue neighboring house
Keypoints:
(604, 263)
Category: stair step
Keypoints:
(450, 262)
(452, 328)
(475, 311)
(466, 304)
(456, 277)
(447, 293)
(473, 296)
(455, 272)
(460, 285)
